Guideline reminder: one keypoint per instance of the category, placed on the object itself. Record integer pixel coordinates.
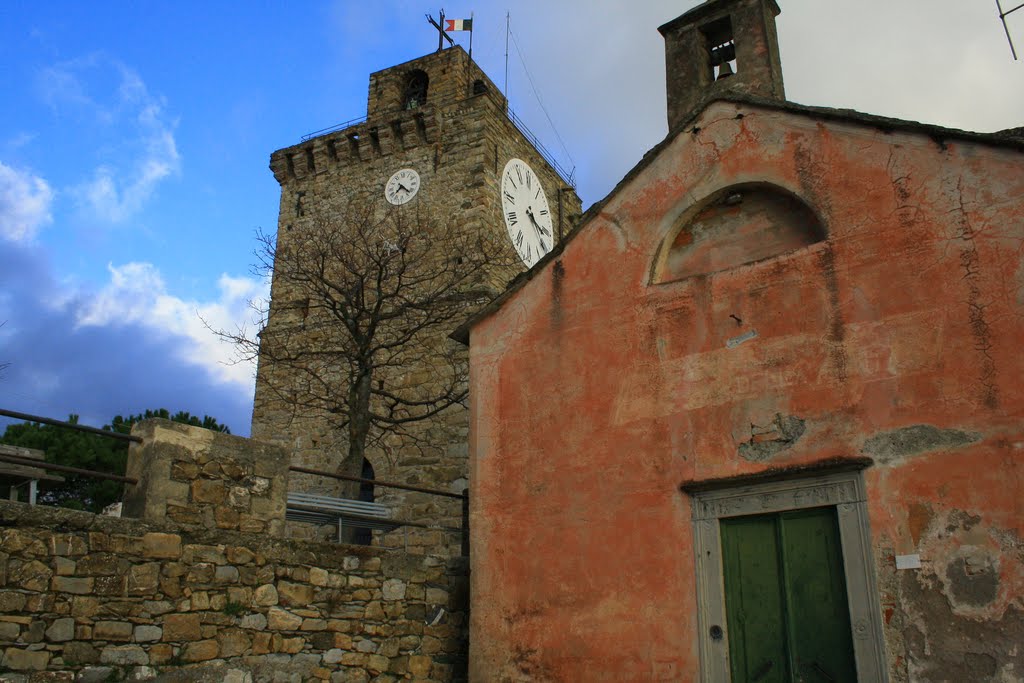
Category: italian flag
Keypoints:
(458, 25)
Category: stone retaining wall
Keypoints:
(92, 598)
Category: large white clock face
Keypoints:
(402, 186)
(525, 208)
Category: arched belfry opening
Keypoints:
(363, 536)
(415, 89)
(720, 47)
(735, 226)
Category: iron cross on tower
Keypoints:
(441, 35)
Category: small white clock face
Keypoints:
(402, 186)
(526, 212)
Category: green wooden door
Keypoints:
(785, 598)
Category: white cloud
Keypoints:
(25, 201)
(143, 152)
(61, 87)
(130, 294)
(137, 294)
(116, 193)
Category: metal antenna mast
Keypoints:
(507, 15)
(1002, 18)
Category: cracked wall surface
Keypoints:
(896, 337)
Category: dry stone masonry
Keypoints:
(203, 589)
(92, 598)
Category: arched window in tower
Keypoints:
(415, 90)
(365, 536)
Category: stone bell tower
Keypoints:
(439, 120)
(721, 46)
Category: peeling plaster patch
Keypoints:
(766, 441)
(972, 584)
(958, 519)
(944, 646)
(977, 567)
(893, 446)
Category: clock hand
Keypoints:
(540, 229)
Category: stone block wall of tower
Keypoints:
(458, 140)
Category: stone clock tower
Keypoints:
(437, 136)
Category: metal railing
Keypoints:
(69, 425)
(339, 126)
(463, 530)
(569, 177)
(53, 467)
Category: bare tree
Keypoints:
(362, 311)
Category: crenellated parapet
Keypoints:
(363, 142)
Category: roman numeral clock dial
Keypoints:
(402, 186)
(525, 209)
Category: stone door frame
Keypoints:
(843, 489)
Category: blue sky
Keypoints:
(135, 137)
